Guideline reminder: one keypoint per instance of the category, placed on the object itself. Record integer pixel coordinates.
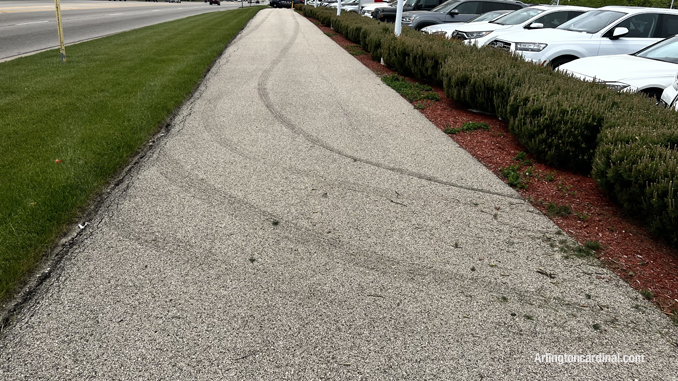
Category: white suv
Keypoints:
(535, 17)
(600, 32)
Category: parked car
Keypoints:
(650, 70)
(344, 4)
(288, 3)
(447, 29)
(217, 2)
(456, 11)
(369, 8)
(536, 17)
(388, 14)
(604, 31)
(669, 97)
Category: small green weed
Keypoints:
(420, 105)
(647, 294)
(412, 91)
(514, 177)
(582, 216)
(528, 317)
(504, 299)
(275, 222)
(550, 176)
(592, 245)
(355, 50)
(588, 296)
(328, 34)
(467, 127)
(558, 210)
(597, 327)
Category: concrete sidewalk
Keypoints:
(302, 221)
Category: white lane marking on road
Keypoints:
(116, 14)
(33, 22)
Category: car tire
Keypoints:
(654, 94)
(561, 61)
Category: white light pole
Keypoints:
(338, 7)
(399, 18)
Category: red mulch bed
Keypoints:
(628, 249)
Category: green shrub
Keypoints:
(627, 142)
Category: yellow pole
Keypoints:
(61, 31)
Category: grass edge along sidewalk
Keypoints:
(67, 129)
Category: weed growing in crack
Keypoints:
(597, 327)
(528, 317)
(504, 299)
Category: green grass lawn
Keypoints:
(92, 113)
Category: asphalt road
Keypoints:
(317, 226)
(30, 26)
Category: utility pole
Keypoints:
(61, 31)
(338, 7)
(399, 18)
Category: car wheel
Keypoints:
(561, 61)
(653, 94)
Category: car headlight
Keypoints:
(408, 18)
(530, 47)
(472, 35)
(675, 83)
(616, 86)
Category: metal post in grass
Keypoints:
(60, 30)
(399, 18)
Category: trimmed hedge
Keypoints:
(627, 142)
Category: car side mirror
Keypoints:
(536, 25)
(619, 32)
(453, 12)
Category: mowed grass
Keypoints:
(92, 113)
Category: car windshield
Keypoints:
(487, 16)
(666, 50)
(410, 3)
(518, 17)
(592, 22)
(445, 7)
